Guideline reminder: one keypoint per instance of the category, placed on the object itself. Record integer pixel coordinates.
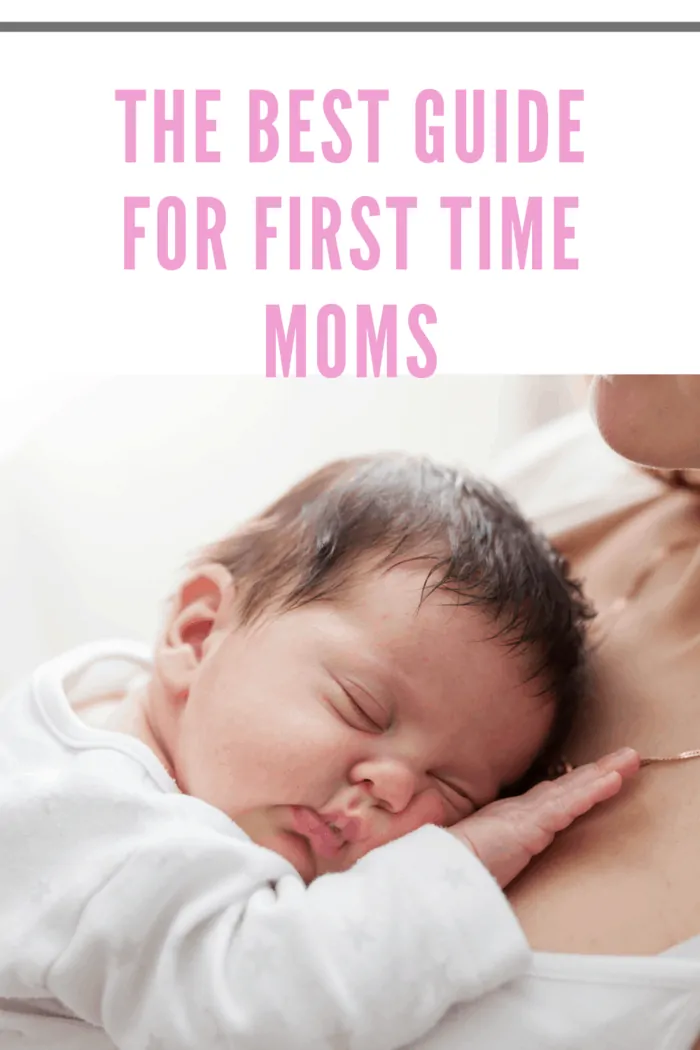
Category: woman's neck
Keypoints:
(645, 661)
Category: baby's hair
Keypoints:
(381, 510)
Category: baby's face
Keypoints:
(339, 726)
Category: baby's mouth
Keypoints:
(325, 837)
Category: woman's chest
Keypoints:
(623, 880)
(626, 879)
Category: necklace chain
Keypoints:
(671, 758)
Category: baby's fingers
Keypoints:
(625, 762)
(561, 809)
(555, 805)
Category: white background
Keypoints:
(68, 306)
(106, 498)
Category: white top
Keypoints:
(137, 917)
(564, 476)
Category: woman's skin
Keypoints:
(624, 880)
(652, 420)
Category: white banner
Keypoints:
(348, 203)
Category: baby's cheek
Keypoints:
(426, 808)
(430, 807)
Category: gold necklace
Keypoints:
(618, 607)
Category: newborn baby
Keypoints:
(204, 854)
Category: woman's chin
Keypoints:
(652, 420)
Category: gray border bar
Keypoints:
(349, 27)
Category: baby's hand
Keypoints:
(506, 835)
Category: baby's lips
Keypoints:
(349, 827)
(324, 840)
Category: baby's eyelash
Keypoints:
(462, 795)
(356, 717)
(362, 713)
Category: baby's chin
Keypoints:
(297, 851)
(263, 827)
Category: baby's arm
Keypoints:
(200, 938)
(203, 939)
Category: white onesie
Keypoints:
(134, 916)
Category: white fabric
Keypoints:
(134, 916)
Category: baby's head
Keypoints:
(387, 645)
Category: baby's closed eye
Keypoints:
(457, 798)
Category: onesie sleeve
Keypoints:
(197, 937)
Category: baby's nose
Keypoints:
(389, 783)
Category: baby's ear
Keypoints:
(203, 601)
